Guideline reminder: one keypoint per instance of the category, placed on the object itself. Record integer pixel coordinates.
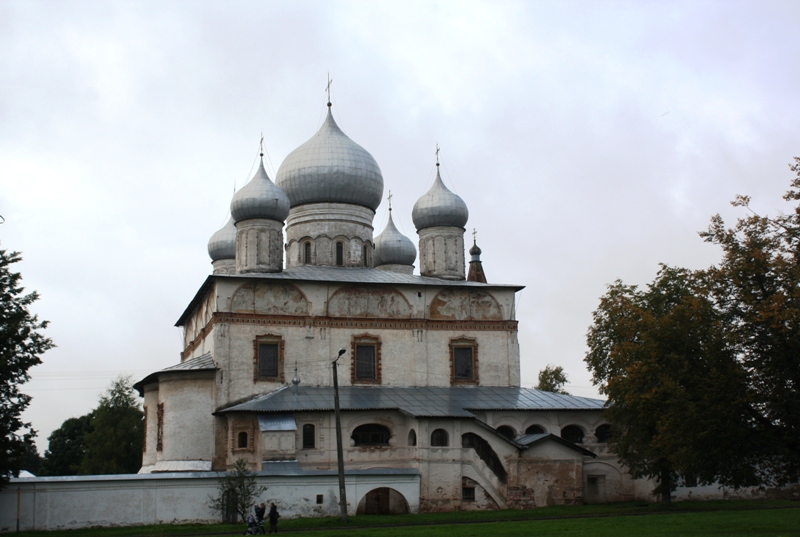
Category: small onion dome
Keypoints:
(439, 207)
(475, 252)
(330, 167)
(222, 244)
(260, 198)
(393, 248)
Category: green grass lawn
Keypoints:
(734, 517)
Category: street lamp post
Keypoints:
(339, 452)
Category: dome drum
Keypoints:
(321, 226)
(441, 253)
(259, 246)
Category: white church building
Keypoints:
(429, 382)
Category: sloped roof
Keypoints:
(415, 401)
(200, 363)
(529, 440)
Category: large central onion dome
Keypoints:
(393, 248)
(260, 198)
(331, 168)
(439, 207)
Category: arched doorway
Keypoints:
(382, 501)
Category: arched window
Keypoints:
(371, 434)
(572, 433)
(603, 433)
(534, 429)
(507, 431)
(339, 254)
(307, 253)
(439, 438)
(241, 440)
(364, 255)
(412, 438)
(309, 438)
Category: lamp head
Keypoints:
(341, 352)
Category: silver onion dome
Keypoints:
(260, 198)
(439, 207)
(222, 244)
(330, 167)
(393, 248)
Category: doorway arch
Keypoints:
(383, 501)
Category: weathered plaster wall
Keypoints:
(127, 500)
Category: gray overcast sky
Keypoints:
(590, 141)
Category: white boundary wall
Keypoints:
(49, 503)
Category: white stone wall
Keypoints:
(127, 500)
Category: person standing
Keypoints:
(273, 518)
(261, 510)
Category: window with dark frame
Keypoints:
(241, 440)
(439, 438)
(319, 499)
(307, 253)
(468, 494)
(603, 433)
(464, 361)
(366, 364)
(160, 427)
(572, 433)
(534, 429)
(309, 436)
(371, 434)
(364, 255)
(339, 254)
(268, 358)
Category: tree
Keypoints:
(678, 402)
(702, 368)
(757, 288)
(237, 492)
(114, 443)
(552, 379)
(67, 447)
(21, 345)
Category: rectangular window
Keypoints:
(160, 427)
(319, 499)
(366, 363)
(468, 494)
(267, 360)
(462, 357)
(464, 361)
(309, 438)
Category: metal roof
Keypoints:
(277, 422)
(529, 440)
(340, 275)
(416, 401)
(201, 363)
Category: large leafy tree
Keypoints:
(757, 288)
(21, 345)
(67, 447)
(677, 400)
(702, 368)
(552, 379)
(114, 443)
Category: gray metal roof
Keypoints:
(418, 402)
(201, 363)
(283, 421)
(529, 440)
(293, 468)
